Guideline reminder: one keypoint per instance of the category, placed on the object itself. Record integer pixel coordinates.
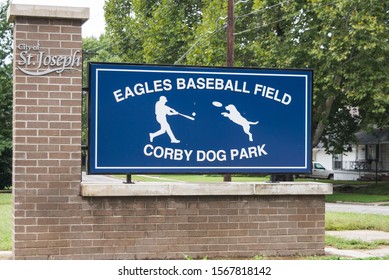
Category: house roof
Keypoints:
(377, 136)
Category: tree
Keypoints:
(152, 31)
(5, 99)
(97, 49)
(344, 41)
(94, 50)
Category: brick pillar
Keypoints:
(46, 125)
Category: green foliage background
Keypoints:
(5, 99)
(344, 41)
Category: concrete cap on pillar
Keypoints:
(41, 11)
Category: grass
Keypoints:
(346, 244)
(356, 197)
(363, 187)
(356, 191)
(355, 221)
(5, 221)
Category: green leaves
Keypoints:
(5, 98)
(344, 41)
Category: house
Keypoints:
(368, 158)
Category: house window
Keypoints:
(372, 152)
(385, 157)
(372, 155)
(337, 161)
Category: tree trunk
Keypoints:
(321, 124)
(325, 113)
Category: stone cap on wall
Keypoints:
(42, 11)
(200, 189)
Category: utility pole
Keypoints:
(230, 33)
(230, 49)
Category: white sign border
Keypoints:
(306, 156)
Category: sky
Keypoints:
(94, 27)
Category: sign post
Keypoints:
(169, 119)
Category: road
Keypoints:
(357, 208)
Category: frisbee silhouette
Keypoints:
(217, 104)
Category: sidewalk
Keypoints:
(5, 255)
(365, 235)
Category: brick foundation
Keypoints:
(72, 227)
(52, 220)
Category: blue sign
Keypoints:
(175, 119)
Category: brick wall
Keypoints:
(217, 227)
(46, 138)
(53, 221)
(171, 227)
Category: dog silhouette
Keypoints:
(234, 115)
